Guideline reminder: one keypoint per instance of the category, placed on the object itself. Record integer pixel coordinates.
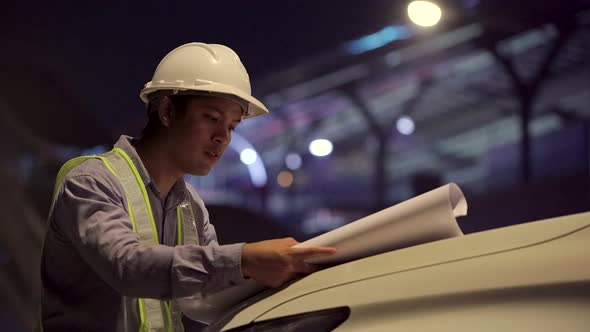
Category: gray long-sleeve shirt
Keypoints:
(92, 257)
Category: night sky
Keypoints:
(96, 56)
(69, 64)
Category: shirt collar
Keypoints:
(177, 192)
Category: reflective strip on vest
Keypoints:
(187, 230)
(155, 315)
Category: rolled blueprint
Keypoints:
(424, 218)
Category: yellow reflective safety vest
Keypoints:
(155, 315)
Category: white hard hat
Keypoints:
(205, 68)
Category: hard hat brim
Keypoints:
(254, 106)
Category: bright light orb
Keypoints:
(321, 147)
(248, 156)
(405, 125)
(424, 13)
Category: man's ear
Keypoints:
(165, 111)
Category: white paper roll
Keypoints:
(424, 218)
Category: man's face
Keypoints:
(200, 135)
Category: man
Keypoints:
(125, 228)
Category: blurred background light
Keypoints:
(98, 149)
(285, 179)
(293, 161)
(378, 39)
(248, 156)
(256, 168)
(424, 13)
(405, 125)
(321, 147)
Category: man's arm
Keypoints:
(272, 262)
(91, 215)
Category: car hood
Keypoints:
(401, 260)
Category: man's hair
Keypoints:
(179, 102)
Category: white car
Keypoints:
(528, 277)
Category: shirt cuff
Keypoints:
(228, 264)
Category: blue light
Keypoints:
(256, 168)
(378, 39)
(99, 149)
(293, 161)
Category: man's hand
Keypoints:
(275, 262)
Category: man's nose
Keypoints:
(222, 136)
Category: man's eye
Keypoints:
(211, 117)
